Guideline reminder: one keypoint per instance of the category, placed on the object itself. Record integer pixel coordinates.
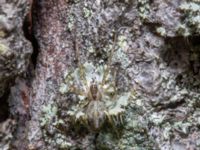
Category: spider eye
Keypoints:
(112, 94)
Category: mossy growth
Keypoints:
(191, 19)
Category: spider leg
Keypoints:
(114, 81)
(76, 47)
(110, 120)
(120, 119)
(77, 56)
(82, 75)
(76, 90)
(112, 50)
(110, 88)
(108, 67)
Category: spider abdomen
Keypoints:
(95, 114)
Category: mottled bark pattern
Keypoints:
(155, 57)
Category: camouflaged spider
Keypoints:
(98, 100)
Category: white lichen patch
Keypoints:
(50, 112)
(52, 127)
(161, 31)
(120, 56)
(98, 99)
(191, 19)
(143, 8)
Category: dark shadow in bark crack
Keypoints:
(4, 107)
(29, 35)
(183, 58)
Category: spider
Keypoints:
(98, 99)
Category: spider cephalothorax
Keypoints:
(94, 93)
(98, 100)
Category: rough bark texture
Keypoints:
(15, 52)
(154, 47)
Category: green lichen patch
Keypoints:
(191, 19)
(87, 12)
(143, 8)
(49, 113)
(119, 55)
(2, 33)
(52, 127)
(3, 48)
(71, 22)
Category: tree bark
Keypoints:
(153, 46)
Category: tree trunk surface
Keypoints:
(100, 75)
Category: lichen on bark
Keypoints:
(152, 56)
(15, 53)
(15, 50)
(149, 51)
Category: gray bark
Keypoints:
(154, 47)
